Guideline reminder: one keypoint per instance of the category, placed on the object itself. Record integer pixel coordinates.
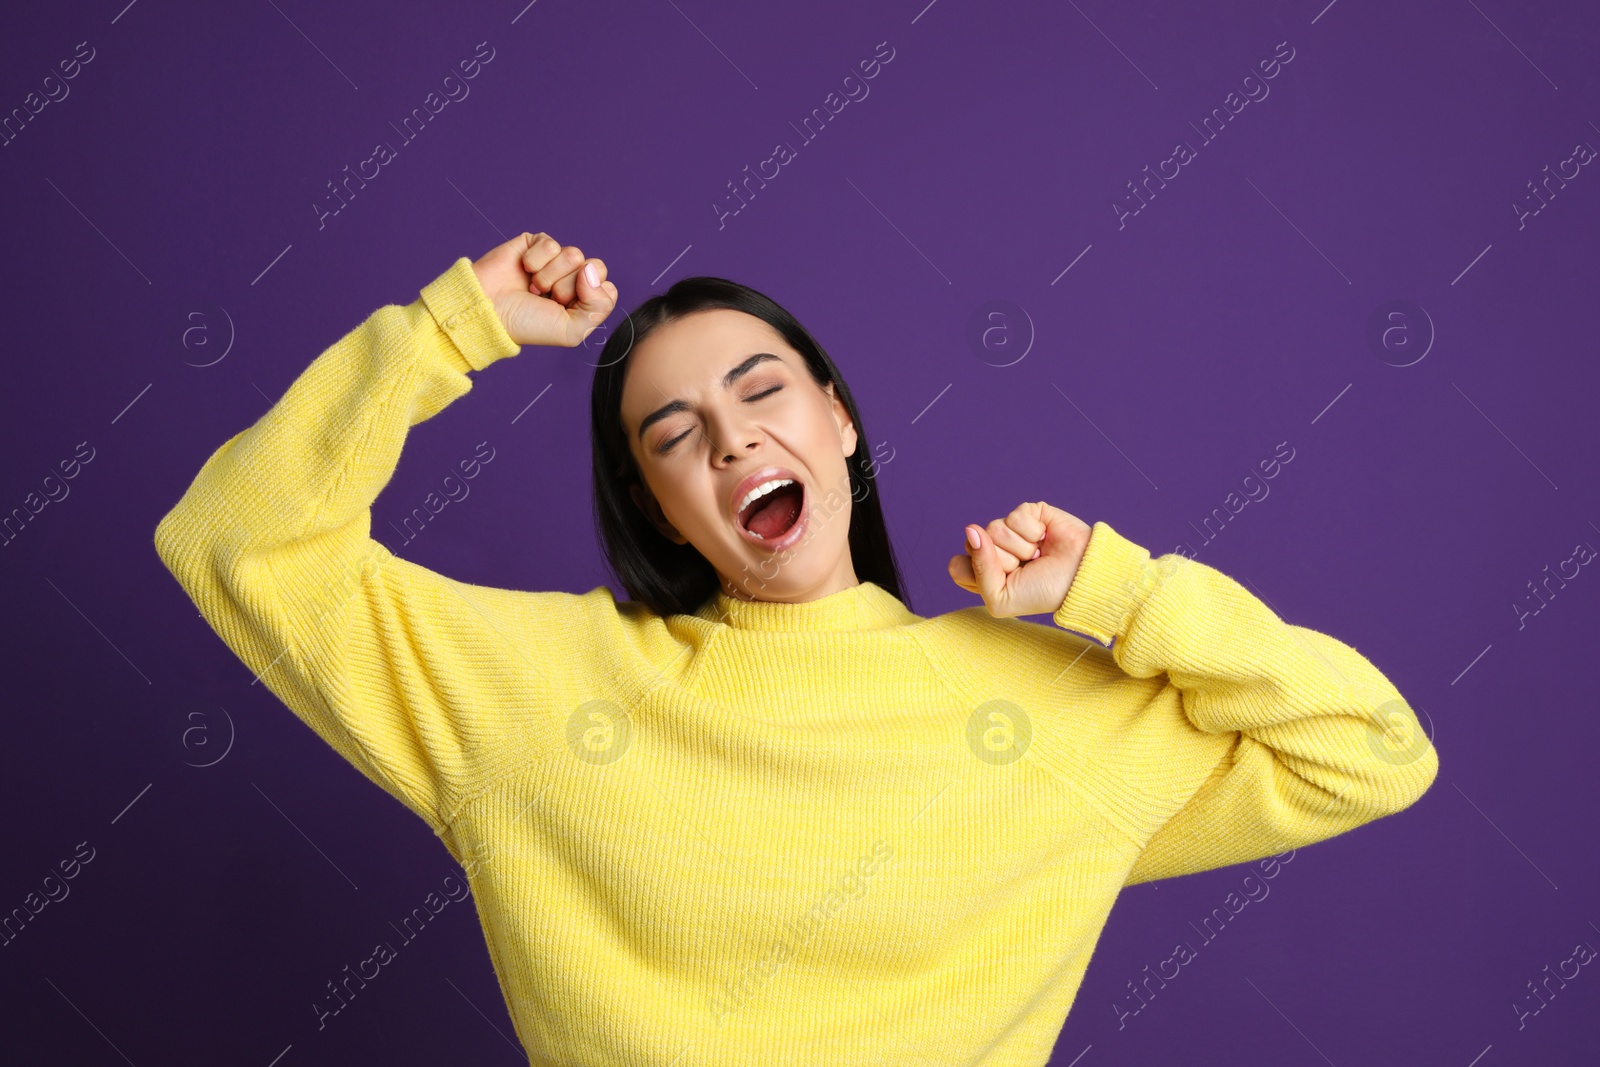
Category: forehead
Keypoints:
(692, 354)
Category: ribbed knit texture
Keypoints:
(769, 834)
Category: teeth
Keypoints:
(760, 491)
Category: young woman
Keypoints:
(759, 812)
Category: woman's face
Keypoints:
(710, 403)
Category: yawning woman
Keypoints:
(758, 812)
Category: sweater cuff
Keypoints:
(1109, 586)
(465, 313)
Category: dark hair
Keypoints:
(667, 577)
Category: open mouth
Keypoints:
(775, 512)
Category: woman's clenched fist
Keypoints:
(545, 293)
(1026, 563)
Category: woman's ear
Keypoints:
(847, 427)
(647, 503)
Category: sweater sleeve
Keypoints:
(1279, 735)
(402, 671)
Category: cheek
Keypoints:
(689, 506)
(827, 443)
(818, 429)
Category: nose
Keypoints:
(734, 437)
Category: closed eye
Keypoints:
(668, 446)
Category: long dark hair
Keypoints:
(674, 579)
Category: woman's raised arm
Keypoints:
(401, 670)
(1280, 735)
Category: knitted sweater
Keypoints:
(766, 834)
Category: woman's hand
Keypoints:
(1024, 564)
(544, 292)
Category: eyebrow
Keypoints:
(666, 410)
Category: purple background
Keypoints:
(165, 207)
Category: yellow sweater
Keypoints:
(769, 834)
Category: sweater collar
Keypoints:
(867, 606)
